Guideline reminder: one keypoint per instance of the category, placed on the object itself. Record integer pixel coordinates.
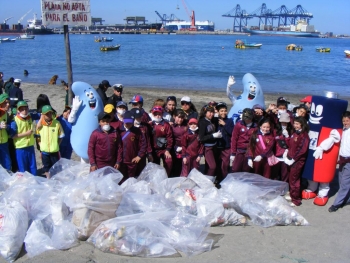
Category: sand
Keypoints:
(325, 240)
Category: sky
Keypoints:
(329, 16)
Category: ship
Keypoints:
(302, 29)
(179, 25)
(35, 27)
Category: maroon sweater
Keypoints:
(269, 141)
(159, 130)
(240, 137)
(191, 146)
(178, 132)
(104, 149)
(134, 144)
(146, 130)
(298, 146)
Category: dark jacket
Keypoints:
(103, 96)
(114, 99)
(134, 144)
(226, 130)
(240, 137)
(15, 95)
(205, 131)
(161, 130)
(105, 149)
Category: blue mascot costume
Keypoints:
(325, 132)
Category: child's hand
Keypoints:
(184, 160)
(198, 159)
(167, 154)
(221, 122)
(117, 166)
(93, 168)
(136, 159)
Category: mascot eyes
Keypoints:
(312, 111)
(319, 110)
(87, 94)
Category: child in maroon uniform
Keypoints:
(192, 149)
(134, 147)
(105, 148)
(241, 134)
(162, 139)
(298, 146)
(179, 129)
(261, 146)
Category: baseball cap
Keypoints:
(17, 81)
(306, 99)
(220, 105)
(22, 103)
(247, 114)
(136, 112)
(258, 107)
(3, 97)
(186, 99)
(172, 98)
(284, 117)
(118, 87)
(303, 106)
(282, 100)
(46, 109)
(157, 109)
(193, 120)
(108, 108)
(103, 115)
(128, 117)
(136, 99)
(105, 83)
(122, 104)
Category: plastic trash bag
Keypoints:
(4, 178)
(133, 203)
(13, 227)
(153, 174)
(65, 171)
(200, 179)
(170, 184)
(44, 235)
(131, 185)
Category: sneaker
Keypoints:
(332, 209)
(288, 198)
(293, 205)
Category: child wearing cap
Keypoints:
(50, 135)
(134, 147)
(307, 101)
(225, 126)
(122, 107)
(179, 129)
(114, 122)
(5, 159)
(241, 134)
(191, 148)
(160, 102)
(162, 139)
(105, 147)
(137, 102)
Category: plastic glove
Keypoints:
(318, 154)
(217, 134)
(250, 163)
(179, 149)
(3, 125)
(258, 158)
(232, 158)
(288, 161)
(76, 103)
(285, 153)
(285, 133)
(231, 81)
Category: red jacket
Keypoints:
(134, 144)
(160, 130)
(105, 149)
(240, 137)
(298, 146)
(178, 132)
(269, 141)
(191, 146)
(146, 129)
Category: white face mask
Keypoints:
(137, 123)
(194, 129)
(158, 118)
(216, 115)
(23, 115)
(106, 127)
(282, 111)
(284, 127)
(121, 112)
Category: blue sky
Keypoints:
(332, 16)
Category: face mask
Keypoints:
(193, 129)
(282, 111)
(23, 115)
(137, 123)
(284, 127)
(263, 132)
(121, 112)
(250, 124)
(158, 118)
(106, 127)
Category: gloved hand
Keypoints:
(258, 158)
(250, 163)
(288, 161)
(179, 149)
(285, 153)
(76, 103)
(231, 81)
(3, 125)
(318, 154)
(285, 133)
(217, 134)
(232, 158)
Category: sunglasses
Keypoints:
(157, 109)
(185, 103)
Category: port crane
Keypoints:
(166, 18)
(240, 18)
(191, 16)
(20, 20)
(6, 19)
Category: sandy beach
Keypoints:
(325, 240)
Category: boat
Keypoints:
(35, 27)
(107, 39)
(110, 48)
(294, 47)
(347, 53)
(25, 36)
(323, 49)
(7, 40)
(97, 39)
(244, 44)
(181, 25)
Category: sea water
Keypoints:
(190, 62)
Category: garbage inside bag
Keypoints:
(131, 185)
(134, 203)
(44, 235)
(4, 178)
(65, 171)
(153, 174)
(200, 179)
(13, 227)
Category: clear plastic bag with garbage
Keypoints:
(13, 228)
(200, 179)
(4, 178)
(153, 174)
(131, 185)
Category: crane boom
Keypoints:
(5, 20)
(192, 17)
(20, 20)
(185, 6)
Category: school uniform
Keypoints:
(191, 149)
(5, 158)
(146, 129)
(178, 132)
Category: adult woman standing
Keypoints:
(188, 107)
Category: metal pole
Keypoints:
(69, 64)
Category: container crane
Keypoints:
(192, 17)
(20, 20)
(6, 19)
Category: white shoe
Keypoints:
(288, 198)
(292, 205)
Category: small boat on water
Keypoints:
(97, 39)
(347, 53)
(294, 47)
(110, 48)
(323, 49)
(25, 37)
(107, 39)
(7, 40)
(244, 44)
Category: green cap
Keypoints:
(14, 111)
(21, 104)
(3, 97)
(46, 109)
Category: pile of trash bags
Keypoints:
(151, 216)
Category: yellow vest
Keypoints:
(49, 137)
(3, 133)
(23, 126)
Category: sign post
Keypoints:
(66, 13)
